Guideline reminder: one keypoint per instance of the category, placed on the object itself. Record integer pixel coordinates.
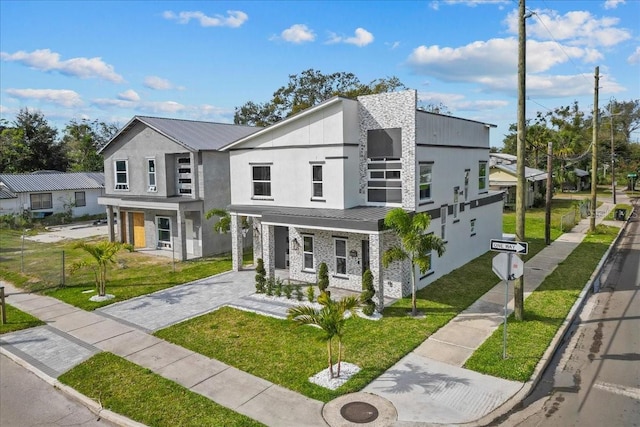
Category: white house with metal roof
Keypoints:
(318, 185)
(161, 177)
(41, 194)
(503, 177)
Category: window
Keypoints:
(482, 176)
(261, 181)
(41, 201)
(429, 265)
(316, 180)
(466, 184)
(151, 175)
(307, 253)
(385, 181)
(164, 231)
(184, 175)
(81, 199)
(456, 190)
(122, 175)
(425, 182)
(443, 221)
(472, 226)
(341, 256)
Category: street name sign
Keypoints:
(509, 246)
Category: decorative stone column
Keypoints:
(182, 232)
(236, 243)
(268, 250)
(375, 265)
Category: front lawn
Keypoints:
(17, 320)
(143, 396)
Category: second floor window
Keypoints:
(261, 176)
(151, 175)
(425, 182)
(81, 199)
(41, 201)
(316, 180)
(122, 175)
(482, 176)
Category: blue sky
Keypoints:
(111, 60)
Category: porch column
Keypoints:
(110, 224)
(269, 249)
(236, 243)
(375, 265)
(182, 235)
(119, 232)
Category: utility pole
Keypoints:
(547, 208)
(594, 154)
(518, 293)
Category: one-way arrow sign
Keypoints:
(509, 246)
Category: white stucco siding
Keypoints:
(62, 200)
(136, 146)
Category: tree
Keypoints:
(307, 89)
(415, 245)
(82, 140)
(323, 277)
(368, 291)
(102, 255)
(223, 224)
(31, 145)
(331, 318)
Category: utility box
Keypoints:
(621, 214)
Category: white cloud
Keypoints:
(578, 28)
(634, 58)
(129, 95)
(612, 4)
(63, 97)
(157, 83)
(45, 60)
(435, 5)
(393, 45)
(298, 33)
(234, 18)
(458, 102)
(361, 38)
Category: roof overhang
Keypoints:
(154, 203)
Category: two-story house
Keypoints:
(318, 185)
(161, 177)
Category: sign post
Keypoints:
(507, 267)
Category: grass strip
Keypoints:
(611, 215)
(17, 320)
(143, 396)
(544, 311)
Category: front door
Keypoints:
(138, 230)
(365, 256)
(281, 237)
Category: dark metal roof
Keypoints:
(29, 183)
(191, 134)
(364, 218)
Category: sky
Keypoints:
(111, 60)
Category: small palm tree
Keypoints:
(223, 224)
(103, 254)
(331, 318)
(415, 245)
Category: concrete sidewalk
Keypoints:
(426, 386)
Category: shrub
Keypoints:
(271, 284)
(298, 293)
(288, 290)
(311, 294)
(368, 291)
(260, 277)
(323, 277)
(278, 290)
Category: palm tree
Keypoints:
(415, 245)
(103, 253)
(330, 318)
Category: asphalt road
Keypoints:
(28, 401)
(594, 380)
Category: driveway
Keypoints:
(72, 231)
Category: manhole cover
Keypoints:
(359, 412)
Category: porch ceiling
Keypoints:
(360, 218)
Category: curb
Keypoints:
(74, 394)
(558, 339)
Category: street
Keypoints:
(26, 401)
(594, 379)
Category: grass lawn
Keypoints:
(544, 311)
(134, 274)
(143, 396)
(17, 319)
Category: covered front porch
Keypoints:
(172, 225)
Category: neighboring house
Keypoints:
(162, 176)
(504, 177)
(46, 193)
(318, 185)
(583, 179)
